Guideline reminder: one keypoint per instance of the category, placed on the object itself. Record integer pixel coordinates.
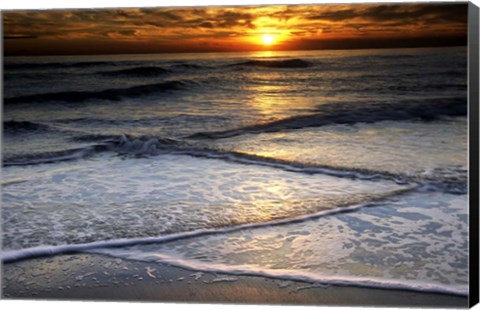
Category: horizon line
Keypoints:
(231, 52)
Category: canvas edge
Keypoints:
(2, 51)
(473, 101)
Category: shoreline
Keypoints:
(96, 277)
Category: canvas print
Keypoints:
(279, 154)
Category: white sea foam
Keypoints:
(109, 198)
(414, 243)
(407, 147)
(303, 276)
(418, 242)
(46, 250)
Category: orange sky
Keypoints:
(202, 29)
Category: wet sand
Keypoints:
(98, 277)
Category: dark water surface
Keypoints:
(336, 167)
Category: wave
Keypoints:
(290, 275)
(89, 64)
(114, 94)
(331, 114)
(288, 63)
(23, 126)
(9, 256)
(95, 138)
(427, 87)
(47, 65)
(146, 146)
(405, 56)
(111, 248)
(122, 145)
(452, 180)
(151, 146)
(53, 157)
(147, 71)
(189, 66)
(453, 73)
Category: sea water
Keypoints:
(331, 167)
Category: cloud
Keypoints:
(13, 37)
(439, 13)
(176, 26)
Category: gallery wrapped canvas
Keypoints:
(280, 154)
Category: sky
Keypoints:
(233, 28)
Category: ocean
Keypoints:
(330, 167)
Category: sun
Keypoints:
(268, 39)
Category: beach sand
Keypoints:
(98, 277)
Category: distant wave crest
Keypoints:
(48, 65)
(287, 63)
(147, 71)
(115, 94)
(188, 66)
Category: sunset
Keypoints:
(217, 29)
(268, 39)
(276, 154)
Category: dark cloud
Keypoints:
(206, 25)
(168, 15)
(14, 37)
(436, 13)
(230, 19)
(194, 18)
(288, 13)
(336, 15)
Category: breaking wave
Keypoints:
(451, 180)
(57, 156)
(330, 114)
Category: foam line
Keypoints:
(302, 276)
(157, 146)
(22, 254)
